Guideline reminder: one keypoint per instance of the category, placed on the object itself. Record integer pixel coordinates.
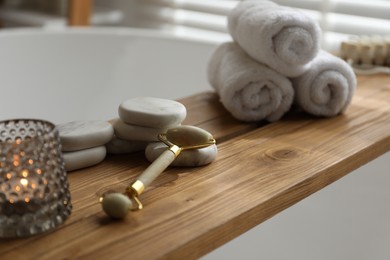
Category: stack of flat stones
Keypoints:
(83, 142)
(141, 120)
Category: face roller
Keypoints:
(117, 205)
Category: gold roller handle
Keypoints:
(152, 172)
(177, 139)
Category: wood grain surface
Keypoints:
(261, 169)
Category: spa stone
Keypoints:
(152, 112)
(187, 158)
(120, 146)
(135, 132)
(84, 158)
(79, 135)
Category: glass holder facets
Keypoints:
(34, 192)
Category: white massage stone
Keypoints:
(79, 135)
(119, 146)
(152, 112)
(187, 158)
(84, 158)
(135, 132)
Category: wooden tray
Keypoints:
(261, 170)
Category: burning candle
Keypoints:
(34, 194)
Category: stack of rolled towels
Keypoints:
(275, 61)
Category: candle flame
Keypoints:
(38, 171)
(24, 182)
(17, 188)
(16, 160)
(30, 161)
(27, 199)
(25, 173)
(8, 175)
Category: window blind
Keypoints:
(339, 19)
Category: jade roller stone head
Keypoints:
(116, 205)
(188, 137)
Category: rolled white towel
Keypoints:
(248, 90)
(326, 89)
(281, 37)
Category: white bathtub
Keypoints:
(84, 74)
(74, 74)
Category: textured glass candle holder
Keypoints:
(34, 194)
